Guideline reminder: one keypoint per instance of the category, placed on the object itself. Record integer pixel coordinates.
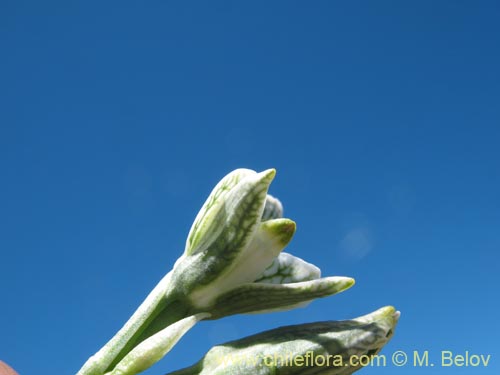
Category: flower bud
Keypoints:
(332, 347)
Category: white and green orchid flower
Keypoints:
(251, 271)
(232, 264)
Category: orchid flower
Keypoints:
(232, 263)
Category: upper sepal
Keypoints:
(239, 195)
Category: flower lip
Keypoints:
(286, 230)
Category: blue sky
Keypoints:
(381, 118)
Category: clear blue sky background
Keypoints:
(118, 117)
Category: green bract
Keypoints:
(151, 350)
(232, 263)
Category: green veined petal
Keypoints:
(203, 228)
(267, 242)
(259, 297)
(287, 268)
(273, 208)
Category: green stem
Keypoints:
(168, 311)
(127, 336)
